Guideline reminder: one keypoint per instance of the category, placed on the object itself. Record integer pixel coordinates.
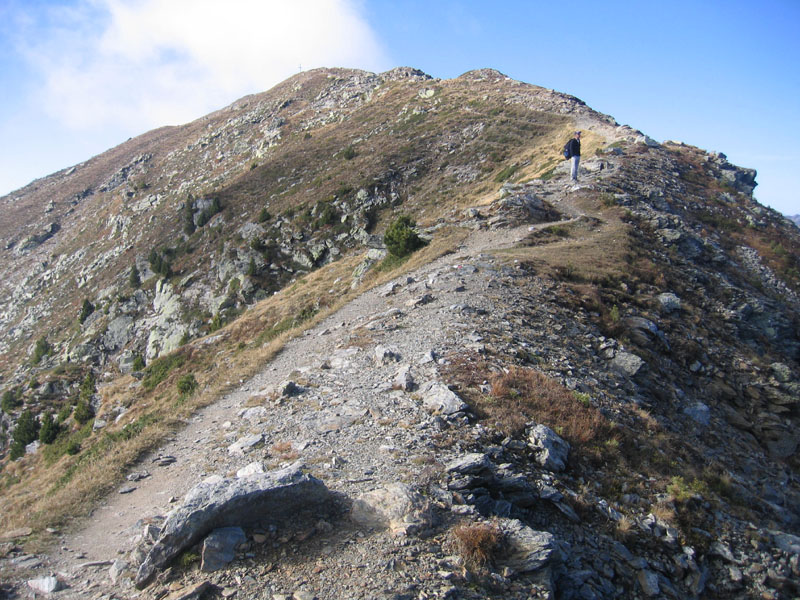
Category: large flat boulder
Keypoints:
(228, 503)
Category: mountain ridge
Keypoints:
(680, 287)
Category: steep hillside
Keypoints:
(647, 316)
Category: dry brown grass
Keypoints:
(477, 543)
(522, 395)
(624, 528)
(593, 251)
(284, 451)
(665, 512)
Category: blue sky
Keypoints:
(81, 76)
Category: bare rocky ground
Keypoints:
(357, 423)
(347, 422)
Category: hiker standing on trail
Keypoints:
(573, 152)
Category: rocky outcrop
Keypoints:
(226, 502)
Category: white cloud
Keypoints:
(148, 63)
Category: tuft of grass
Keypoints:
(477, 543)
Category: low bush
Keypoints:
(83, 411)
(400, 237)
(187, 384)
(41, 350)
(159, 369)
(87, 308)
(26, 431)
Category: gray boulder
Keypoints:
(403, 380)
(551, 450)
(669, 302)
(699, 412)
(438, 398)
(469, 464)
(627, 363)
(45, 585)
(527, 550)
(396, 507)
(230, 502)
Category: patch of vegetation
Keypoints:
(131, 430)
(40, 350)
(134, 279)
(48, 431)
(264, 215)
(506, 173)
(26, 431)
(83, 412)
(187, 384)
(159, 369)
(159, 263)
(400, 237)
(349, 153)
(138, 363)
(477, 543)
(187, 215)
(12, 399)
(87, 308)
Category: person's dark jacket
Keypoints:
(574, 147)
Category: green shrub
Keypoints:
(88, 386)
(11, 399)
(400, 238)
(41, 350)
(349, 153)
(506, 173)
(49, 429)
(264, 215)
(326, 214)
(26, 431)
(188, 217)
(138, 363)
(86, 309)
(134, 279)
(159, 369)
(64, 413)
(83, 411)
(187, 384)
(159, 264)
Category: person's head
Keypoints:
(577, 135)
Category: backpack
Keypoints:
(566, 150)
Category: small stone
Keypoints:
(219, 548)
(252, 469)
(627, 363)
(127, 489)
(245, 444)
(437, 397)
(669, 302)
(45, 585)
(649, 582)
(551, 450)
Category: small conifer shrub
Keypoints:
(86, 309)
(401, 239)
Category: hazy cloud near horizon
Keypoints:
(151, 63)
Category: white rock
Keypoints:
(252, 469)
(45, 585)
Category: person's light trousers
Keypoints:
(574, 171)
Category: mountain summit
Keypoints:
(361, 336)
